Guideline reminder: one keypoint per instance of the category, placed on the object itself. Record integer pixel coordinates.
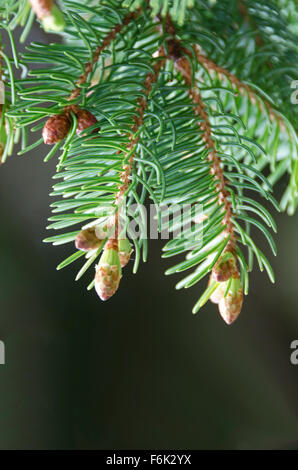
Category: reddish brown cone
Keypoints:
(85, 120)
(55, 129)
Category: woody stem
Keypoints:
(180, 56)
(150, 79)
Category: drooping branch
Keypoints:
(151, 78)
(182, 64)
(224, 282)
(117, 248)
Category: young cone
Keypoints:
(87, 240)
(85, 119)
(108, 272)
(55, 129)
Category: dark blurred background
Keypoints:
(140, 371)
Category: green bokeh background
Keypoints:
(140, 371)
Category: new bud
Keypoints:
(85, 119)
(125, 251)
(87, 240)
(230, 306)
(225, 267)
(108, 274)
(55, 129)
(49, 14)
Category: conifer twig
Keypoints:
(108, 271)
(99, 49)
(210, 65)
(150, 79)
(182, 65)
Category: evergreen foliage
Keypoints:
(187, 102)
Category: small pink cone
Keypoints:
(108, 274)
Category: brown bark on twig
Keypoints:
(150, 79)
(182, 64)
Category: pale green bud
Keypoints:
(108, 274)
(49, 14)
(87, 240)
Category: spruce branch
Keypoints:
(182, 65)
(108, 275)
(241, 86)
(187, 125)
(224, 270)
(282, 131)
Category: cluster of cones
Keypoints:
(224, 284)
(226, 287)
(58, 126)
(116, 251)
(116, 254)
